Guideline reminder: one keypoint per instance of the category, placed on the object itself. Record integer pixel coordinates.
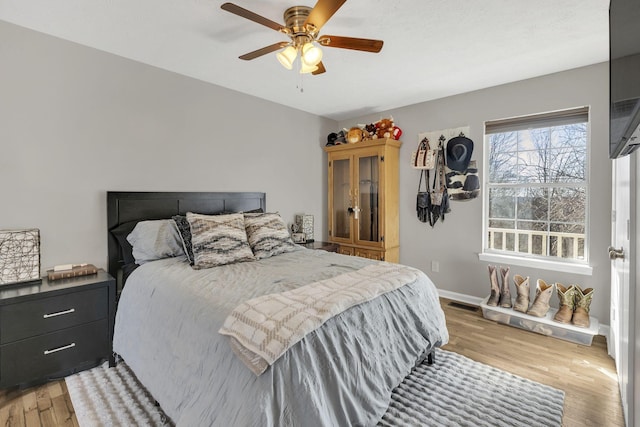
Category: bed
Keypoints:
(341, 373)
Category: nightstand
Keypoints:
(55, 328)
(325, 246)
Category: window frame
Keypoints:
(553, 118)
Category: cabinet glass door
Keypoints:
(341, 198)
(368, 196)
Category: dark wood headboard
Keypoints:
(126, 206)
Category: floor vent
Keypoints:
(463, 306)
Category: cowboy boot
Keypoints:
(495, 288)
(567, 303)
(522, 288)
(540, 305)
(505, 294)
(583, 303)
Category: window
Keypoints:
(537, 186)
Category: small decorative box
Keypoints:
(305, 225)
(19, 256)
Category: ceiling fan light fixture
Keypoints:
(311, 55)
(302, 27)
(306, 69)
(287, 57)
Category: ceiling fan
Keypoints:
(302, 25)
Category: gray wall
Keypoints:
(76, 122)
(456, 242)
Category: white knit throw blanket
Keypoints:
(264, 328)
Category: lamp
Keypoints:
(311, 55)
(287, 56)
(305, 69)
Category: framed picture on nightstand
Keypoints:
(298, 237)
(19, 256)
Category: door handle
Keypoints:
(616, 253)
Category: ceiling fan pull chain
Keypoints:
(300, 85)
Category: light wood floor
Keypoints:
(586, 374)
(48, 405)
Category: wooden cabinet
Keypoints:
(55, 328)
(363, 198)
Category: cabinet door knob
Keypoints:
(356, 211)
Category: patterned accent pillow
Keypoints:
(185, 232)
(218, 240)
(157, 239)
(268, 235)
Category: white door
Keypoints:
(623, 295)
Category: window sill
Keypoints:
(583, 269)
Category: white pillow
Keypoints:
(152, 240)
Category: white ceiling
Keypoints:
(432, 48)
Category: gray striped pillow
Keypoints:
(268, 235)
(218, 240)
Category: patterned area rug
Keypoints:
(455, 391)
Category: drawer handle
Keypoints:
(59, 313)
(64, 347)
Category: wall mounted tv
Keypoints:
(624, 67)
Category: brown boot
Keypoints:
(505, 294)
(495, 288)
(583, 303)
(540, 305)
(567, 303)
(522, 288)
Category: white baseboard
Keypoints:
(468, 299)
(460, 297)
(604, 330)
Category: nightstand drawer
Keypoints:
(35, 358)
(26, 319)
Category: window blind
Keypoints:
(555, 118)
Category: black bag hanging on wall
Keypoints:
(439, 195)
(423, 201)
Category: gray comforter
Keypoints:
(339, 375)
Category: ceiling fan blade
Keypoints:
(322, 12)
(320, 69)
(267, 49)
(240, 11)
(367, 45)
